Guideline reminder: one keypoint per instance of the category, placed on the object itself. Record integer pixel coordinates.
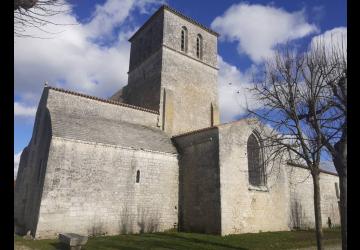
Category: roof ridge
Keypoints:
(167, 7)
(102, 100)
(299, 165)
(195, 131)
(190, 19)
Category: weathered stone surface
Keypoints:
(79, 171)
(199, 191)
(214, 179)
(157, 64)
(93, 191)
(245, 208)
(73, 240)
(301, 198)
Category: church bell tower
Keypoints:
(173, 69)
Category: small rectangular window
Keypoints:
(138, 176)
(337, 190)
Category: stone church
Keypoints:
(154, 156)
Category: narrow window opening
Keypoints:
(199, 46)
(255, 161)
(138, 176)
(183, 39)
(337, 190)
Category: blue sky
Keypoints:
(91, 53)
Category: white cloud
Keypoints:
(107, 16)
(16, 163)
(22, 110)
(114, 13)
(258, 29)
(335, 38)
(234, 98)
(72, 58)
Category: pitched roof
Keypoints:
(103, 100)
(194, 131)
(299, 165)
(112, 132)
(166, 7)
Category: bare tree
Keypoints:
(36, 14)
(298, 95)
(329, 119)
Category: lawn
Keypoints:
(188, 241)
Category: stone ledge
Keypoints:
(75, 241)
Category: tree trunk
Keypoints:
(317, 209)
(343, 210)
(340, 163)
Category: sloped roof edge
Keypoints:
(167, 7)
(102, 100)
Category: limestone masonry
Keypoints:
(154, 157)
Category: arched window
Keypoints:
(199, 45)
(184, 39)
(255, 161)
(138, 176)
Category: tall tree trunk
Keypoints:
(343, 210)
(317, 209)
(340, 163)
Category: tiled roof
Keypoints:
(305, 167)
(194, 132)
(189, 19)
(111, 132)
(103, 100)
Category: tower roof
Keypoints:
(166, 7)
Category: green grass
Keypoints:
(188, 241)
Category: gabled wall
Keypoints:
(245, 208)
(67, 183)
(284, 203)
(30, 177)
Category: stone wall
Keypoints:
(193, 81)
(147, 40)
(302, 201)
(285, 202)
(199, 182)
(245, 208)
(172, 38)
(195, 89)
(143, 87)
(76, 163)
(29, 181)
(144, 77)
(91, 188)
(157, 64)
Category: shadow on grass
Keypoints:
(159, 241)
(193, 240)
(59, 246)
(190, 241)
